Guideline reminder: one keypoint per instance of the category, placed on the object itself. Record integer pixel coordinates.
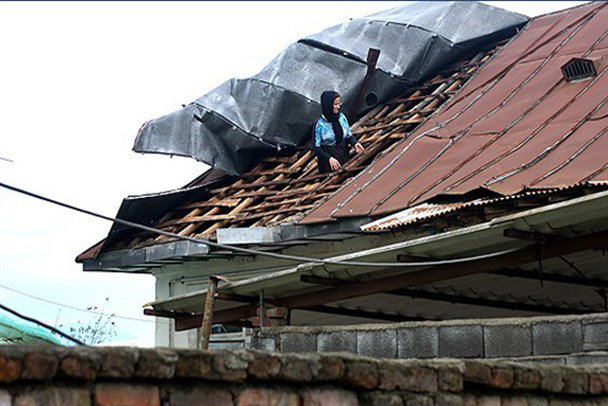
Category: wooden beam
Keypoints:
(551, 277)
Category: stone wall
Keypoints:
(55, 376)
(561, 339)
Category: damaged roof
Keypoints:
(281, 188)
(517, 125)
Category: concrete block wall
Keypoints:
(556, 339)
(56, 376)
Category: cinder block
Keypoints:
(595, 335)
(417, 342)
(461, 341)
(256, 322)
(298, 342)
(378, 343)
(507, 341)
(557, 338)
(337, 341)
(263, 343)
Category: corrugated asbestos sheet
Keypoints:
(517, 125)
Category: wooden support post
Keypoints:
(261, 309)
(208, 312)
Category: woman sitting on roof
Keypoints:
(332, 135)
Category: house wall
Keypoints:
(107, 376)
(567, 340)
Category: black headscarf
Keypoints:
(327, 106)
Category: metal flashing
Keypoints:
(136, 259)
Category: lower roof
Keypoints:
(559, 267)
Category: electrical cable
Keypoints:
(257, 252)
(53, 329)
(74, 307)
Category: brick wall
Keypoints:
(567, 340)
(54, 376)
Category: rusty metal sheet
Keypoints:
(590, 161)
(439, 166)
(386, 182)
(587, 34)
(535, 142)
(426, 211)
(411, 215)
(516, 125)
(575, 20)
(565, 146)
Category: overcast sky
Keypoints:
(77, 80)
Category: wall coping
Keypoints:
(522, 321)
(26, 363)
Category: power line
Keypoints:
(53, 329)
(257, 252)
(76, 308)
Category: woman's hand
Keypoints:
(359, 148)
(334, 164)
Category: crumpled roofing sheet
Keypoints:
(516, 125)
(231, 126)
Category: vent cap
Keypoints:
(580, 69)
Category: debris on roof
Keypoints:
(242, 119)
(517, 125)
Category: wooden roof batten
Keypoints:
(281, 189)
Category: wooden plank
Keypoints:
(269, 172)
(280, 159)
(200, 219)
(273, 212)
(212, 203)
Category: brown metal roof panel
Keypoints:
(601, 177)
(564, 156)
(488, 157)
(365, 181)
(536, 140)
(588, 34)
(572, 23)
(411, 160)
(493, 97)
(537, 31)
(537, 101)
(466, 177)
(440, 166)
(592, 160)
(474, 88)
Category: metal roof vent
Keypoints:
(579, 69)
